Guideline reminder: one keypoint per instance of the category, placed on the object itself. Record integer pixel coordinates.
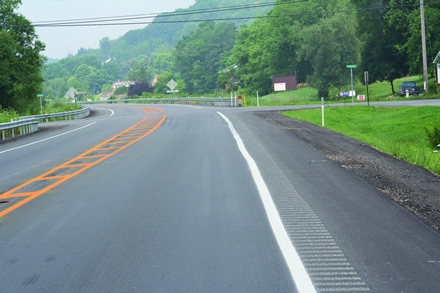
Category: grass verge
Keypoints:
(397, 131)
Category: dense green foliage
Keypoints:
(398, 131)
(315, 46)
(20, 60)
(318, 45)
(315, 38)
(159, 37)
(433, 136)
(392, 39)
(150, 47)
(198, 55)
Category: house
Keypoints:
(118, 84)
(106, 61)
(118, 97)
(437, 61)
(234, 66)
(105, 96)
(155, 78)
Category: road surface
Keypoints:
(180, 198)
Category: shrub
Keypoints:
(433, 136)
(139, 87)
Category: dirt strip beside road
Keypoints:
(413, 187)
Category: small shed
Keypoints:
(284, 82)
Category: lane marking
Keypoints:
(111, 113)
(297, 270)
(22, 191)
(47, 138)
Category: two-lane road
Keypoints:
(176, 198)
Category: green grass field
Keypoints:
(378, 91)
(397, 131)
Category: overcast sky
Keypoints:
(60, 41)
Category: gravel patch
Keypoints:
(415, 188)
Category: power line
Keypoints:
(80, 24)
(164, 14)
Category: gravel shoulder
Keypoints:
(413, 187)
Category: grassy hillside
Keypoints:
(160, 37)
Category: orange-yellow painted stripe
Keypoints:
(158, 120)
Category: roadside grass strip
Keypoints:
(39, 185)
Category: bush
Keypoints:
(139, 87)
(433, 136)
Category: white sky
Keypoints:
(60, 41)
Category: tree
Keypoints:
(140, 87)
(406, 22)
(198, 54)
(20, 60)
(381, 38)
(160, 87)
(105, 45)
(229, 79)
(138, 73)
(329, 46)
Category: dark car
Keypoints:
(411, 86)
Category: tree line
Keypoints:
(314, 38)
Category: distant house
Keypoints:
(155, 78)
(437, 61)
(107, 61)
(118, 97)
(105, 96)
(234, 66)
(118, 84)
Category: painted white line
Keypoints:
(194, 107)
(111, 113)
(47, 138)
(297, 269)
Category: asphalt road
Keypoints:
(171, 201)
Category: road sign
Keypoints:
(361, 98)
(172, 85)
(40, 95)
(351, 66)
(349, 93)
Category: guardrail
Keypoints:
(29, 124)
(219, 102)
(77, 114)
(26, 126)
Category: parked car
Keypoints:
(411, 86)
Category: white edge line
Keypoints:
(296, 267)
(46, 138)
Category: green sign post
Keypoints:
(352, 91)
(41, 103)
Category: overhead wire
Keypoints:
(84, 22)
(162, 14)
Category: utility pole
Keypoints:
(425, 64)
